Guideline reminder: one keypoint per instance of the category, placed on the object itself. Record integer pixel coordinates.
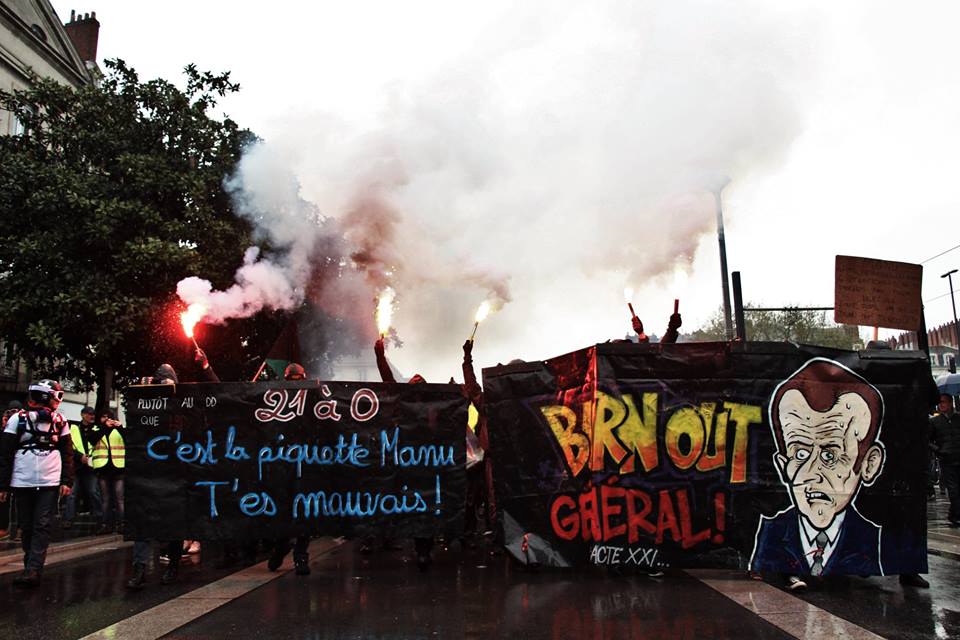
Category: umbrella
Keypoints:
(949, 383)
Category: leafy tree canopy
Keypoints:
(803, 327)
(112, 196)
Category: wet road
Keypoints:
(469, 595)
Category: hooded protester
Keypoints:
(36, 462)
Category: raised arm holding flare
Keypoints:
(386, 374)
(474, 393)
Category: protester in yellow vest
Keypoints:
(85, 479)
(107, 460)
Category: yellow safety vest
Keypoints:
(473, 417)
(76, 437)
(109, 448)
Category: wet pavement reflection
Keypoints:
(82, 596)
(884, 607)
(468, 595)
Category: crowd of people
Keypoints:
(48, 464)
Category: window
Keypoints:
(37, 31)
(17, 126)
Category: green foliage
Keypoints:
(114, 194)
(802, 327)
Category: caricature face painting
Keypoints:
(826, 422)
(822, 463)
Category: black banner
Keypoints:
(766, 455)
(252, 460)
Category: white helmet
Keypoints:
(45, 393)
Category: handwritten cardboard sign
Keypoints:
(877, 293)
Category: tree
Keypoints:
(804, 327)
(114, 193)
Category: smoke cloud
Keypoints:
(566, 152)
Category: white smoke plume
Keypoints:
(569, 150)
(267, 193)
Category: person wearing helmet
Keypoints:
(281, 546)
(36, 463)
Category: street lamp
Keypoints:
(956, 330)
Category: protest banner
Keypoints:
(271, 460)
(729, 455)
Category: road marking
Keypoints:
(173, 614)
(787, 612)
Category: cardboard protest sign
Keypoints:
(268, 460)
(714, 455)
(877, 293)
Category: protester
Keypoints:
(6, 508)
(281, 546)
(480, 478)
(85, 483)
(422, 546)
(36, 462)
(669, 337)
(232, 551)
(108, 461)
(945, 441)
(165, 374)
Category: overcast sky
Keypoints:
(531, 132)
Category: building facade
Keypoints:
(943, 346)
(33, 40)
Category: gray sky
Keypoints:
(565, 146)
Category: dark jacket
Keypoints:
(382, 365)
(779, 549)
(474, 392)
(209, 375)
(945, 436)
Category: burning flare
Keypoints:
(384, 310)
(482, 312)
(191, 317)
